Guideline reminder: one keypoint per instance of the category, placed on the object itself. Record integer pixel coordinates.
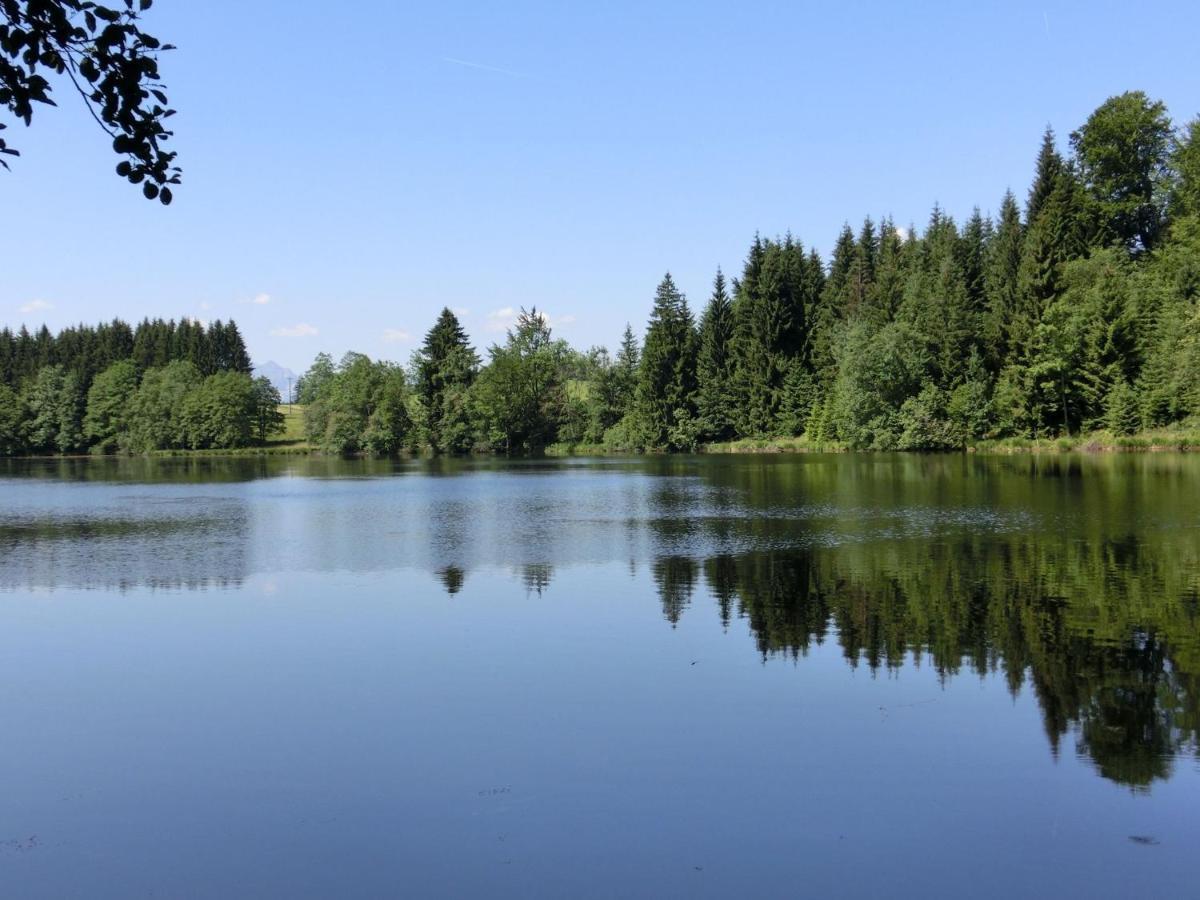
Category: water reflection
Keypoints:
(1075, 578)
(1113, 664)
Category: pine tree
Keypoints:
(1002, 284)
(769, 331)
(887, 292)
(667, 374)
(714, 365)
(1048, 169)
(1121, 414)
(445, 368)
(830, 307)
(1185, 161)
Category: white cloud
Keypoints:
(396, 336)
(258, 299)
(36, 306)
(300, 329)
(502, 319)
(460, 311)
(902, 233)
(206, 305)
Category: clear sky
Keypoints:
(350, 168)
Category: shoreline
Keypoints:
(1184, 441)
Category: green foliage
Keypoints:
(667, 374)
(268, 419)
(220, 412)
(12, 417)
(54, 412)
(156, 420)
(715, 398)
(1121, 415)
(770, 316)
(1185, 159)
(313, 382)
(363, 407)
(1123, 151)
(112, 62)
(445, 367)
(876, 373)
(926, 423)
(108, 406)
(520, 394)
(1001, 285)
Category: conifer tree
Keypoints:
(667, 373)
(1002, 284)
(1047, 170)
(445, 368)
(714, 365)
(887, 292)
(1185, 161)
(769, 330)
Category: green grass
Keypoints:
(293, 424)
(1177, 438)
(771, 445)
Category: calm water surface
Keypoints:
(870, 676)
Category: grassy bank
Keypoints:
(1165, 439)
(1157, 440)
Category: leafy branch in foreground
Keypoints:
(109, 61)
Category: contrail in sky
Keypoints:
(475, 65)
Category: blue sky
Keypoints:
(349, 169)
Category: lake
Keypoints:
(778, 676)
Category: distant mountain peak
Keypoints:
(281, 377)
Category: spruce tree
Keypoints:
(714, 365)
(769, 330)
(1002, 284)
(445, 368)
(1047, 170)
(1185, 161)
(666, 376)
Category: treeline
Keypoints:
(112, 387)
(1077, 312)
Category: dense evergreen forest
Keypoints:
(1074, 313)
(113, 387)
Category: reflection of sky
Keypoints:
(110, 534)
(189, 529)
(326, 734)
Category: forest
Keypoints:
(115, 388)
(1071, 314)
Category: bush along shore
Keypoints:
(1068, 321)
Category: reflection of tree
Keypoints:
(536, 577)
(452, 578)
(1105, 632)
(676, 578)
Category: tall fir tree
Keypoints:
(446, 366)
(1001, 283)
(715, 400)
(667, 373)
